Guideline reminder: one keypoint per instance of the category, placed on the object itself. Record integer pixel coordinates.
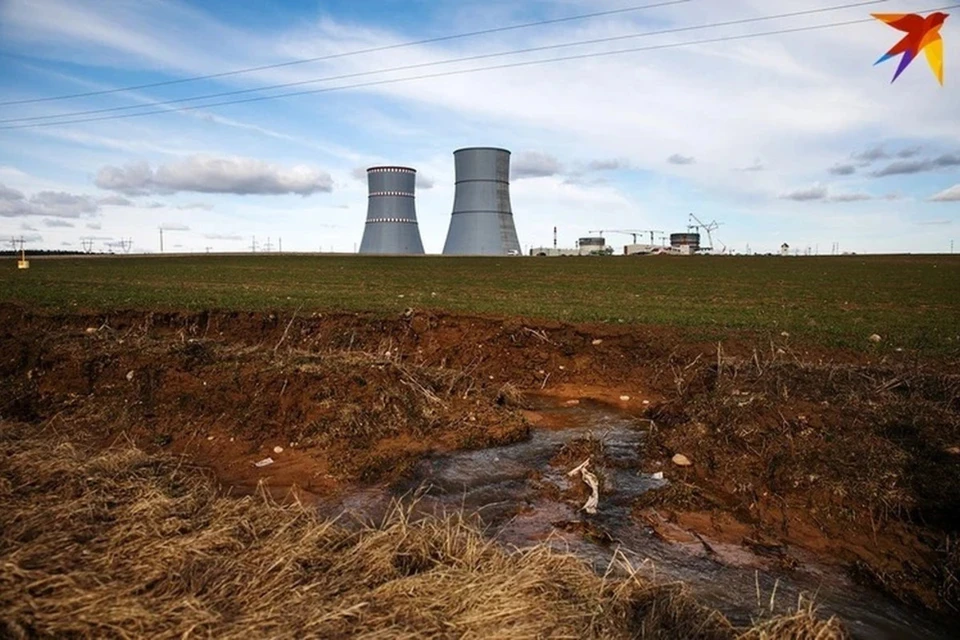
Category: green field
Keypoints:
(912, 301)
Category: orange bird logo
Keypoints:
(923, 34)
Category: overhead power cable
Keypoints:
(290, 63)
(466, 71)
(410, 67)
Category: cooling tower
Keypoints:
(482, 221)
(391, 226)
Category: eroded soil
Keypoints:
(851, 457)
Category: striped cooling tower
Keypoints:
(391, 226)
(482, 221)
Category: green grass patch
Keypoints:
(912, 301)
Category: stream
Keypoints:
(517, 494)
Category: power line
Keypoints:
(422, 65)
(458, 72)
(468, 34)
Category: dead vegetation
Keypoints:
(867, 453)
(120, 543)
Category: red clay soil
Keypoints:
(841, 454)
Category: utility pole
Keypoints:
(280, 245)
(554, 237)
(268, 246)
(253, 244)
(161, 239)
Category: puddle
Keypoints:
(519, 497)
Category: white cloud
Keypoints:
(116, 201)
(55, 204)
(679, 159)
(900, 167)
(174, 226)
(821, 192)
(209, 174)
(57, 223)
(951, 194)
(534, 164)
(222, 236)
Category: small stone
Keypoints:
(874, 338)
(572, 403)
(130, 374)
(785, 334)
(209, 437)
(646, 402)
(596, 342)
(624, 398)
(681, 460)
(278, 449)
(91, 329)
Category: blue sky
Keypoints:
(791, 138)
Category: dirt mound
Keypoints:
(859, 462)
(321, 417)
(121, 543)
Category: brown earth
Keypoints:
(846, 455)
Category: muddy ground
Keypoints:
(852, 456)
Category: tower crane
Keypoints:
(695, 223)
(631, 232)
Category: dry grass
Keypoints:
(122, 544)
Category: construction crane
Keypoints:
(631, 232)
(708, 228)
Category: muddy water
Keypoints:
(518, 496)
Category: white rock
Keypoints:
(624, 398)
(597, 341)
(874, 338)
(658, 475)
(681, 460)
(278, 449)
(130, 374)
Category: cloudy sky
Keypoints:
(786, 137)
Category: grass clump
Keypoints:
(120, 543)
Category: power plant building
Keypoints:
(482, 220)
(685, 243)
(391, 226)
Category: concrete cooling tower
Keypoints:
(391, 226)
(482, 221)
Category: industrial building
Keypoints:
(391, 226)
(686, 244)
(482, 220)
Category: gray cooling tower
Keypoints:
(482, 221)
(391, 226)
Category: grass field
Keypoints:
(912, 301)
